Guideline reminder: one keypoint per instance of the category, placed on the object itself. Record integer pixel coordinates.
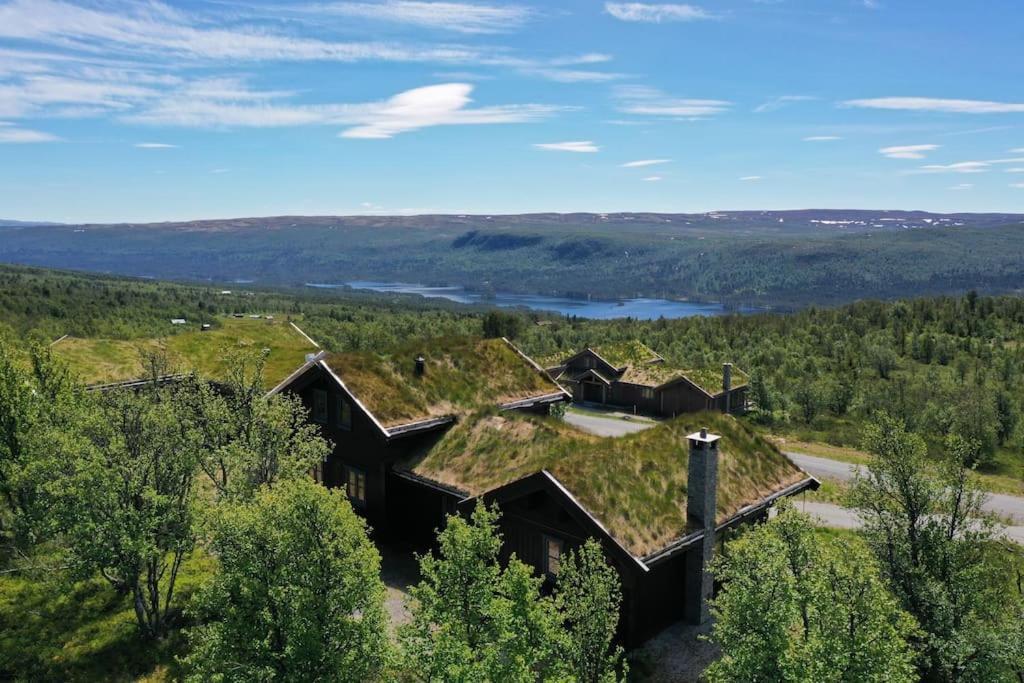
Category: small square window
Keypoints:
(355, 486)
(553, 548)
(319, 406)
(344, 413)
(648, 393)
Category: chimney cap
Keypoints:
(703, 436)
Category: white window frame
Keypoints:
(319, 411)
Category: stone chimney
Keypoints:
(701, 506)
(421, 365)
(727, 384)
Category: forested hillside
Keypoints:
(775, 259)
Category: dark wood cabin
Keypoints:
(378, 408)
(631, 376)
(557, 487)
(421, 433)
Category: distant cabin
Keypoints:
(426, 429)
(633, 377)
(178, 321)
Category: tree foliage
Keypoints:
(124, 499)
(588, 594)
(924, 523)
(297, 595)
(797, 607)
(249, 439)
(473, 620)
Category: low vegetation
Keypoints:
(102, 361)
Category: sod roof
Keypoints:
(657, 374)
(461, 375)
(634, 485)
(621, 354)
(102, 361)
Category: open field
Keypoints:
(99, 361)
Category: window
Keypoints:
(355, 486)
(553, 548)
(648, 393)
(344, 413)
(319, 406)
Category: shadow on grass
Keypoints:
(52, 628)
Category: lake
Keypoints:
(641, 309)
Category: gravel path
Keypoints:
(1007, 507)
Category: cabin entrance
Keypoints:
(593, 392)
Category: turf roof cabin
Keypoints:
(377, 407)
(656, 500)
(630, 375)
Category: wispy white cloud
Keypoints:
(968, 166)
(645, 162)
(655, 13)
(450, 16)
(959, 167)
(643, 100)
(652, 178)
(154, 145)
(152, 27)
(1017, 185)
(572, 75)
(12, 135)
(218, 171)
(1019, 150)
(937, 105)
(1015, 170)
(962, 186)
(779, 102)
(433, 105)
(751, 178)
(907, 151)
(822, 138)
(572, 146)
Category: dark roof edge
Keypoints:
(418, 426)
(553, 397)
(426, 481)
(741, 514)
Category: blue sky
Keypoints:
(129, 111)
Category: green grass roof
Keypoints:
(634, 485)
(101, 361)
(621, 354)
(462, 375)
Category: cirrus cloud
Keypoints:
(937, 105)
(647, 101)
(645, 162)
(451, 16)
(655, 13)
(13, 135)
(907, 151)
(585, 146)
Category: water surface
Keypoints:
(599, 309)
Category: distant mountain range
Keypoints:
(774, 258)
